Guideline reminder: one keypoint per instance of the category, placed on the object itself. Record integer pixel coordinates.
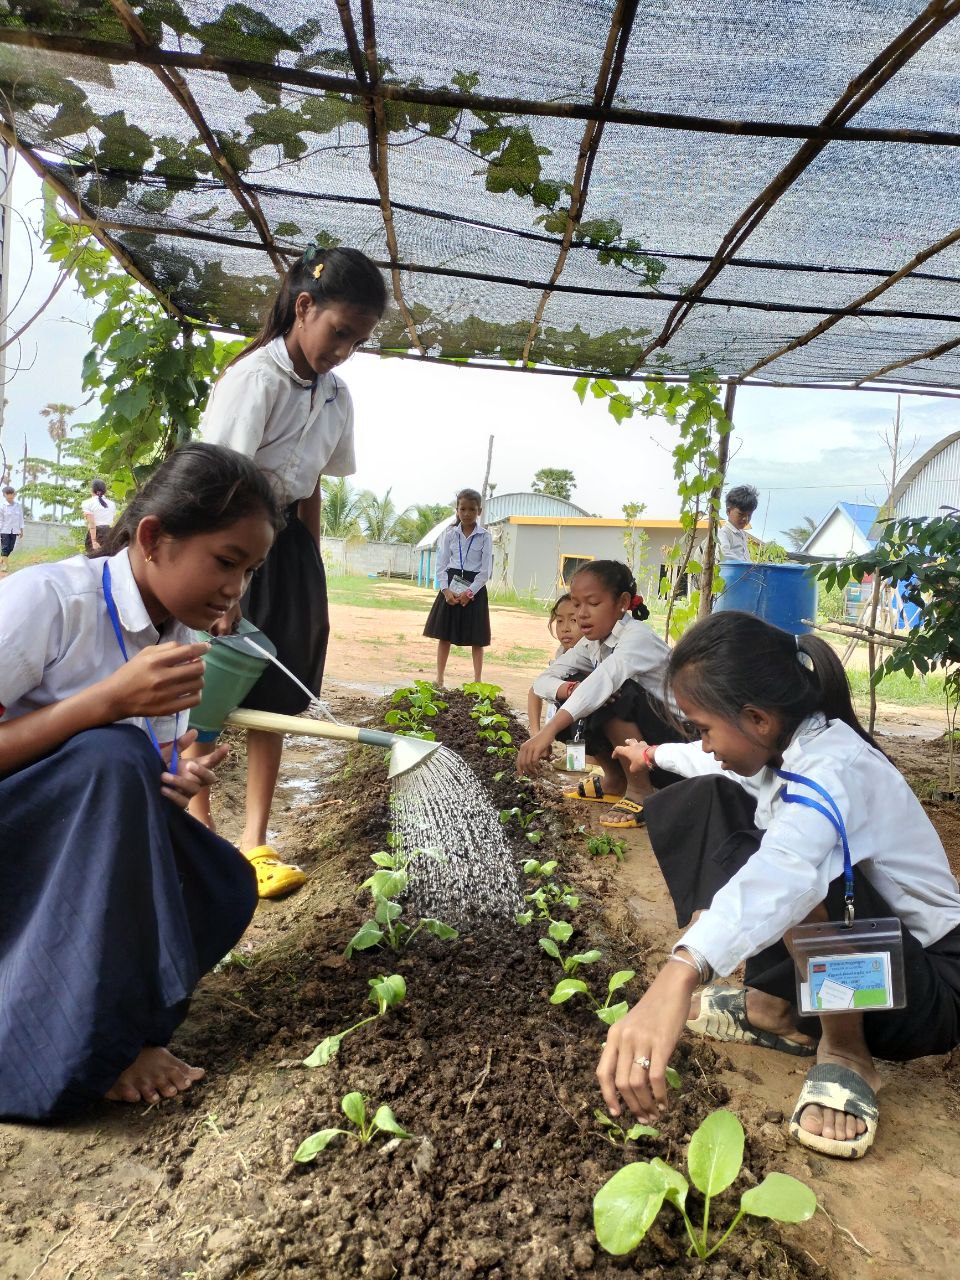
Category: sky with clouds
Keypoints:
(422, 430)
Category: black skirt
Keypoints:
(703, 832)
(115, 901)
(287, 600)
(633, 704)
(466, 624)
(102, 531)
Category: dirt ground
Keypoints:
(497, 1084)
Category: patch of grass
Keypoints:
(507, 598)
(915, 691)
(378, 593)
(44, 555)
(518, 656)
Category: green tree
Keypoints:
(378, 516)
(66, 488)
(800, 533)
(417, 521)
(636, 542)
(57, 416)
(339, 509)
(559, 483)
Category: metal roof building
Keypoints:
(933, 482)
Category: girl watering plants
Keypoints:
(607, 690)
(115, 900)
(461, 613)
(810, 859)
(281, 404)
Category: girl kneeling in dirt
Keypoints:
(115, 900)
(753, 841)
(611, 680)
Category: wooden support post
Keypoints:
(486, 474)
(716, 496)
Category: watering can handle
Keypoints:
(271, 722)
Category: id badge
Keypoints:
(576, 757)
(459, 585)
(855, 968)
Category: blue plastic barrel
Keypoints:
(783, 594)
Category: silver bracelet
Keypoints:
(701, 963)
(690, 965)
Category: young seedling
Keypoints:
(608, 1013)
(603, 845)
(626, 1206)
(386, 993)
(547, 896)
(539, 870)
(479, 689)
(616, 1135)
(560, 931)
(386, 884)
(423, 704)
(354, 1107)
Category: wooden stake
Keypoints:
(710, 550)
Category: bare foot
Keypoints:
(837, 1124)
(153, 1075)
(766, 1013)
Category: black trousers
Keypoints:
(702, 831)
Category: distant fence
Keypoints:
(343, 556)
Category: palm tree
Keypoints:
(339, 508)
(57, 415)
(377, 516)
(800, 533)
(418, 520)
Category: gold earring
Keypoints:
(149, 559)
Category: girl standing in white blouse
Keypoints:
(461, 612)
(99, 512)
(786, 781)
(280, 403)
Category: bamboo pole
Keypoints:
(858, 93)
(932, 354)
(250, 69)
(710, 550)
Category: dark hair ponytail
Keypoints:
(98, 489)
(731, 660)
(199, 489)
(328, 275)
(617, 579)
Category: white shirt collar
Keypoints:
(126, 594)
(277, 350)
(612, 640)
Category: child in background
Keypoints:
(563, 626)
(99, 512)
(280, 403)
(115, 901)
(777, 726)
(619, 670)
(732, 540)
(461, 612)
(11, 524)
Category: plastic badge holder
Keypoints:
(843, 968)
(458, 585)
(576, 757)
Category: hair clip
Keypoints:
(318, 271)
(636, 602)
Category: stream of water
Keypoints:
(466, 872)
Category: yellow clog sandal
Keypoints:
(591, 789)
(275, 879)
(625, 814)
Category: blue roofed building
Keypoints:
(843, 531)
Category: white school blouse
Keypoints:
(295, 429)
(11, 516)
(101, 515)
(891, 839)
(56, 637)
(732, 542)
(632, 651)
(477, 553)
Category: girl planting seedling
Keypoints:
(281, 404)
(565, 629)
(807, 854)
(461, 612)
(115, 900)
(611, 680)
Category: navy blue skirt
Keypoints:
(114, 903)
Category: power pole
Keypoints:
(6, 231)
(486, 476)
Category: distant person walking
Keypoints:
(732, 540)
(11, 524)
(99, 513)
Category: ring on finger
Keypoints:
(642, 1062)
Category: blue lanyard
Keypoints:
(115, 619)
(835, 818)
(460, 547)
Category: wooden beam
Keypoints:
(248, 69)
(858, 93)
(174, 82)
(933, 354)
(71, 199)
(611, 67)
(710, 546)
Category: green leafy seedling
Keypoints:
(481, 689)
(616, 1135)
(627, 1205)
(568, 987)
(542, 870)
(602, 846)
(354, 1107)
(386, 993)
(386, 884)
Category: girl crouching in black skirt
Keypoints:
(461, 612)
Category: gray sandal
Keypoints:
(830, 1085)
(723, 1016)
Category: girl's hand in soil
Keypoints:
(637, 756)
(192, 775)
(533, 751)
(159, 681)
(227, 625)
(650, 1030)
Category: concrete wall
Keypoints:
(528, 557)
(44, 533)
(342, 556)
